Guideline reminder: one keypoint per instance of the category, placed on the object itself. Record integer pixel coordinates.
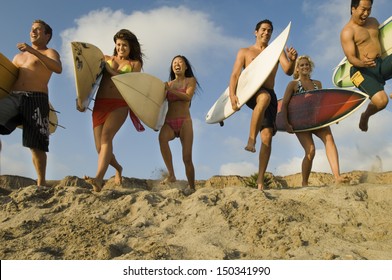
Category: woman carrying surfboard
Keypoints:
(110, 110)
(301, 84)
(178, 123)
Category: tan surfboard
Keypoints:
(8, 75)
(145, 95)
(89, 62)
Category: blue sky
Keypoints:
(209, 33)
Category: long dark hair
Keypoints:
(134, 45)
(188, 72)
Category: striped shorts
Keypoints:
(31, 110)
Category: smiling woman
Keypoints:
(110, 109)
(178, 123)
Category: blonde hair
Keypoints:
(296, 75)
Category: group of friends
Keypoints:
(28, 103)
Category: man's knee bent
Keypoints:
(380, 100)
(266, 135)
(263, 98)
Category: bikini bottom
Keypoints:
(176, 124)
(104, 106)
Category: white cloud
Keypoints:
(233, 143)
(329, 19)
(163, 33)
(238, 168)
(16, 160)
(198, 127)
(293, 166)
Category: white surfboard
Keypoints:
(250, 80)
(145, 95)
(88, 65)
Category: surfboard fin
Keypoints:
(53, 110)
(221, 123)
(56, 124)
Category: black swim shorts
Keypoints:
(269, 120)
(31, 110)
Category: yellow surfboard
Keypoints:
(8, 75)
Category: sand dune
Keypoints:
(223, 220)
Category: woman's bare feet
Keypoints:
(250, 147)
(96, 183)
(118, 176)
(342, 180)
(167, 180)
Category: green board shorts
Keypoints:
(372, 80)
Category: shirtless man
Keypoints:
(361, 45)
(264, 102)
(28, 103)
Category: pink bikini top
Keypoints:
(171, 97)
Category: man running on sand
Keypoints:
(28, 102)
(264, 101)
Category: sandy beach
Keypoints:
(223, 220)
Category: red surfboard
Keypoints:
(319, 108)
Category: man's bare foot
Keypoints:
(390, 96)
(260, 187)
(250, 147)
(118, 177)
(96, 183)
(189, 190)
(167, 180)
(363, 122)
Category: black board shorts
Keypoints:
(269, 120)
(31, 110)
